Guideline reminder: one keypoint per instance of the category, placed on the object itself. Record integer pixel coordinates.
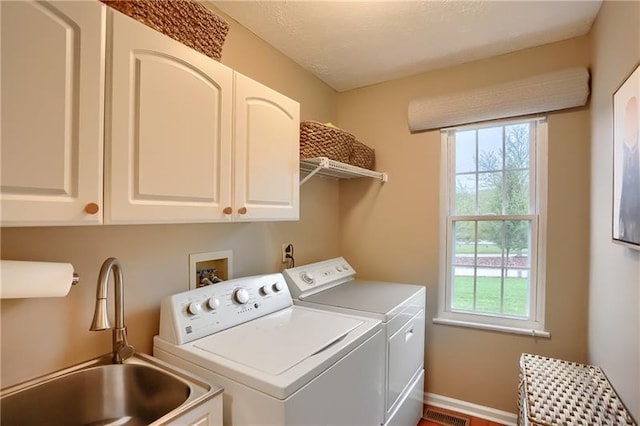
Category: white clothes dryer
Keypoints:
(331, 285)
(279, 364)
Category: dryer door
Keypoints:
(406, 357)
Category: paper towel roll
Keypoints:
(20, 279)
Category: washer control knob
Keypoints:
(339, 269)
(241, 296)
(345, 267)
(265, 290)
(194, 308)
(307, 277)
(278, 286)
(213, 303)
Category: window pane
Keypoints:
(462, 293)
(516, 293)
(517, 237)
(489, 290)
(516, 192)
(490, 149)
(465, 195)
(490, 236)
(517, 146)
(466, 151)
(490, 197)
(465, 237)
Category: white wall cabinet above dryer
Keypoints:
(52, 118)
(189, 140)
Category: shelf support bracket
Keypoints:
(324, 163)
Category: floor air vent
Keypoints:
(444, 418)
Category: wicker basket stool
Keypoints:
(362, 155)
(319, 140)
(556, 392)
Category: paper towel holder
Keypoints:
(28, 279)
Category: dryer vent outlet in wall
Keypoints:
(209, 268)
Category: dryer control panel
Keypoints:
(309, 279)
(196, 313)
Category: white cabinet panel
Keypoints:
(405, 357)
(207, 414)
(169, 145)
(52, 88)
(266, 152)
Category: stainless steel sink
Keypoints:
(141, 391)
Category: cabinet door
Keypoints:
(207, 414)
(169, 139)
(267, 128)
(52, 89)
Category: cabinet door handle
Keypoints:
(92, 208)
(242, 210)
(227, 210)
(408, 334)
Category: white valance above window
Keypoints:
(552, 91)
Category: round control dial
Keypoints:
(278, 286)
(213, 303)
(194, 308)
(307, 277)
(266, 289)
(241, 296)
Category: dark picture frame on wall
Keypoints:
(626, 162)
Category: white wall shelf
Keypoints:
(323, 166)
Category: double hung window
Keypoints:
(493, 226)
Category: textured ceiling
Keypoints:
(350, 44)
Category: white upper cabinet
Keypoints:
(267, 126)
(52, 86)
(169, 137)
(189, 140)
(180, 137)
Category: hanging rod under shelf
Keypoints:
(324, 166)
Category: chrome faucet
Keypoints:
(121, 347)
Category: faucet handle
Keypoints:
(121, 347)
(126, 351)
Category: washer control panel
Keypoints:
(196, 313)
(314, 277)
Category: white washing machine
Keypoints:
(279, 364)
(331, 285)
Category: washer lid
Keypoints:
(275, 343)
(383, 299)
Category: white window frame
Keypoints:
(538, 163)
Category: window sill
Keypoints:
(512, 330)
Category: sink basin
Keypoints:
(141, 391)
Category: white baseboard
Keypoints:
(475, 410)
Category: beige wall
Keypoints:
(391, 231)
(614, 305)
(41, 335)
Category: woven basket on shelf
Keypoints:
(362, 155)
(319, 140)
(186, 21)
